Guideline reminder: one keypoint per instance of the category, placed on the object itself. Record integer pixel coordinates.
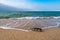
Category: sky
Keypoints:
(34, 5)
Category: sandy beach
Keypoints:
(10, 34)
(49, 34)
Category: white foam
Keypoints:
(30, 17)
(37, 17)
(57, 17)
(3, 27)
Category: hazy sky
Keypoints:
(36, 5)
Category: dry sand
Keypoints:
(49, 34)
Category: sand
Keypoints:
(48, 34)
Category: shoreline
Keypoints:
(9, 28)
(28, 21)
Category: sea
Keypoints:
(30, 13)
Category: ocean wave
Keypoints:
(37, 17)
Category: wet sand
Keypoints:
(49, 34)
(29, 23)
